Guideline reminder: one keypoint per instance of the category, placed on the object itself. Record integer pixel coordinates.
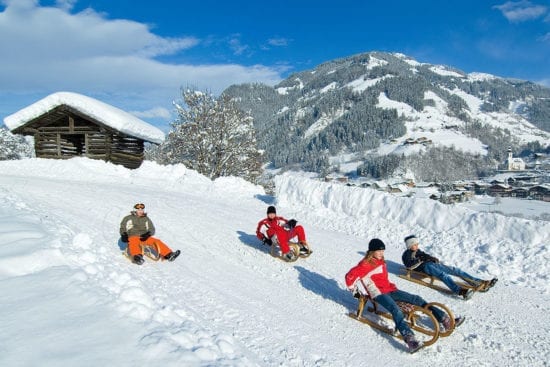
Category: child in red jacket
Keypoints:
(279, 230)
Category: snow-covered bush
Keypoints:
(13, 146)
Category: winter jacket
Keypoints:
(268, 227)
(370, 277)
(135, 225)
(415, 260)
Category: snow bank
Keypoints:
(493, 242)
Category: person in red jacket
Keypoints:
(370, 277)
(278, 230)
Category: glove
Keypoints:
(124, 237)
(267, 241)
(292, 223)
(145, 236)
(433, 259)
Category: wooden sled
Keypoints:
(150, 251)
(435, 283)
(420, 319)
(275, 251)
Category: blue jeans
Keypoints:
(444, 272)
(388, 302)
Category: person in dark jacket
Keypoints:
(137, 230)
(416, 259)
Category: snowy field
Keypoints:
(69, 298)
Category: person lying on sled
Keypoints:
(137, 229)
(275, 228)
(416, 259)
(370, 278)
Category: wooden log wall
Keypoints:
(64, 133)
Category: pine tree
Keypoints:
(213, 137)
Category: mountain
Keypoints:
(69, 297)
(388, 103)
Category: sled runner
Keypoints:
(435, 283)
(150, 251)
(298, 249)
(420, 319)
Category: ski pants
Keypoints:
(284, 236)
(445, 272)
(134, 247)
(388, 301)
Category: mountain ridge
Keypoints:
(376, 102)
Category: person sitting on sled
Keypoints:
(370, 278)
(416, 259)
(137, 229)
(280, 230)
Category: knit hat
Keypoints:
(375, 244)
(271, 209)
(410, 241)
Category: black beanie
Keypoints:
(271, 209)
(375, 244)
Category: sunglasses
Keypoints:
(139, 206)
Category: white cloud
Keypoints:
(157, 112)
(521, 10)
(545, 38)
(278, 42)
(236, 45)
(48, 49)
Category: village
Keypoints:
(515, 179)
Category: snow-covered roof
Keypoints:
(102, 112)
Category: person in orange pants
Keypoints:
(137, 230)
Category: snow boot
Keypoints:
(304, 250)
(138, 259)
(446, 323)
(466, 293)
(172, 255)
(289, 256)
(412, 343)
(490, 284)
(459, 320)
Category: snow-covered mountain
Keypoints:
(69, 298)
(390, 103)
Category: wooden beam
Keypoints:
(71, 124)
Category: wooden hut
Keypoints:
(65, 125)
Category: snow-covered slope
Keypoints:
(69, 298)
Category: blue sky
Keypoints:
(137, 55)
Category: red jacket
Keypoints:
(370, 277)
(267, 227)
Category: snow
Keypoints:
(69, 298)
(99, 111)
(480, 77)
(442, 70)
(322, 122)
(328, 88)
(361, 84)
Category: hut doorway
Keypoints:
(74, 144)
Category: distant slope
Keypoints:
(374, 102)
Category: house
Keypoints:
(65, 125)
(519, 192)
(502, 190)
(540, 192)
